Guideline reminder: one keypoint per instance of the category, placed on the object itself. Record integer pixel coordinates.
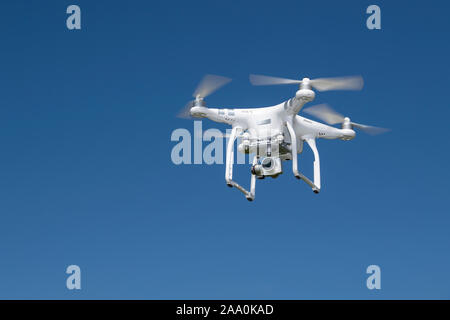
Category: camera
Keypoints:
(269, 166)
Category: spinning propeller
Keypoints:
(325, 113)
(320, 84)
(207, 86)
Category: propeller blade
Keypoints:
(259, 80)
(209, 84)
(341, 83)
(185, 112)
(325, 113)
(369, 129)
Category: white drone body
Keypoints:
(276, 133)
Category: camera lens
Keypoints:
(267, 163)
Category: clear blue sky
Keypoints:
(86, 176)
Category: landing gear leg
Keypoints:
(311, 142)
(229, 168)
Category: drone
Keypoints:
(276, 133)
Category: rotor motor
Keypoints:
(346, 124)
(199, 102)
(305, 92)
(197, 108)
(306, 95)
